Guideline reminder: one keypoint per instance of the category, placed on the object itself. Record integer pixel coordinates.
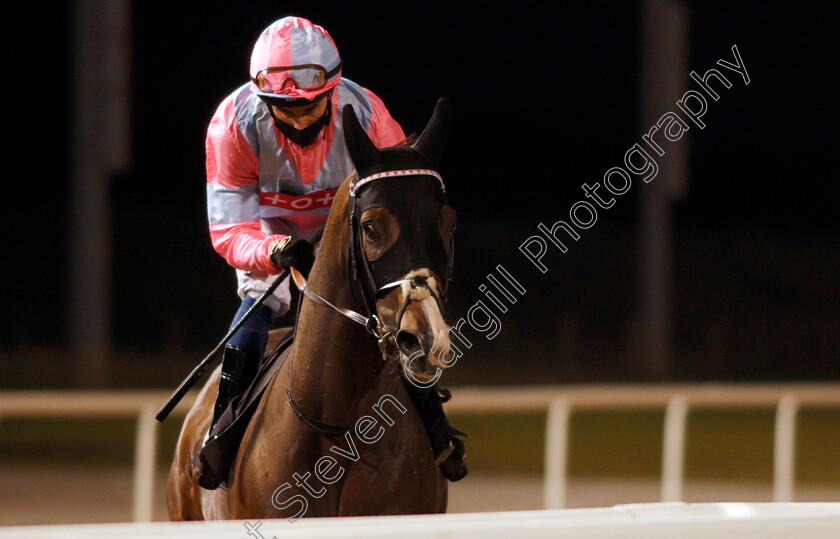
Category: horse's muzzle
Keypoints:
(415, 351)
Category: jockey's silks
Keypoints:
(261, 186)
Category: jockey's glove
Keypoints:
(299, 254)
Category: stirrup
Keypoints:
(202, 470)
(203, 473)
(443, 455)
(451, 460)
(453, 435)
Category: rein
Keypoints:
(385, 338)
(372, 323)
(386, 341)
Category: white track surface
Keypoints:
(686, 521)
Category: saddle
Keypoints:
(223, 440)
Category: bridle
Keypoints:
(363, 283)
(366, 290)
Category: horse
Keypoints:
(344, 368)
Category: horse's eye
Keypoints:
(370, 231)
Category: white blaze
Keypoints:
(421, 294)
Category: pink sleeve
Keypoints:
(233, 196)
(384, 130)
(244, 246)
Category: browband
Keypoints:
(393, 174)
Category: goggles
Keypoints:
(308, 77)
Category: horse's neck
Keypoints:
(333, 356)
(327, 332)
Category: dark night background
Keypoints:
(544, 99)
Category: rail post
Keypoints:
(673, 448)
(556, 454)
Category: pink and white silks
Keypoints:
(261, 186)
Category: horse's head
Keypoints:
(400, 240)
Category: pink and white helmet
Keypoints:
(294, 59)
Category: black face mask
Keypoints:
(306, 136)
(415, 202)
(404, 180)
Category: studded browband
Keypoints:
(394, 174)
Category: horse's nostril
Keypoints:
(408, 343)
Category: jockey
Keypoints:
(275, 159)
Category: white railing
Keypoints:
(138, 404)
(558, 401)
(675, 399)
(719, 520)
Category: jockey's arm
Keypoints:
(233, 207)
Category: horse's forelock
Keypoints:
(409, 140)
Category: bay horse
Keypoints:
(293, 461)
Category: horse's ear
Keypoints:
(433, 140)
(363, 151)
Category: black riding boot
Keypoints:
(448, 447)
(214, 458)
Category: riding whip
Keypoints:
(196, 373)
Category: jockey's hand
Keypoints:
(299, 254)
